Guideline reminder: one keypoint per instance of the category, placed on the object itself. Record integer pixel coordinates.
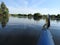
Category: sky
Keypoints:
(33, 6)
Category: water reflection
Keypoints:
(36, 19)
(57, 19)
(45, 38)
(4, 20)
(29, 25)
(30, 17)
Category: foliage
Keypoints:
(29, 14)
(0, 9)
(52, 16)
(58, 15)
(19, 14)
(3, 9)
(37, 14)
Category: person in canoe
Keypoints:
(46, 37)
(47, 24)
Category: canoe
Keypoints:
(45, 38)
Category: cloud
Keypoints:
(34, 10)
(37, 3)
(23, 3)
(29, 6)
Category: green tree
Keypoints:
(0, 11)
(58, 15)
(29, 14)
(4, 9)
(3, 5)
(37, 15)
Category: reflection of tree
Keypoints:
(37, 16)
(30, 16)
(4, 20)
(37, 19)
(58, 19)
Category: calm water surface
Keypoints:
(27, 31)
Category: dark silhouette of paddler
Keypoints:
(47, 24)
